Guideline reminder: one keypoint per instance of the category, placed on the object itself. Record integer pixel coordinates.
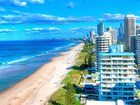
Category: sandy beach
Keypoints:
(38, 87)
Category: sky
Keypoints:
(43, 19)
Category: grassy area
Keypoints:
(74, 76)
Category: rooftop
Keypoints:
(100, 103)
(117, 54)
(119, 102)
(106, 34)
(130, 16)
(116, 50)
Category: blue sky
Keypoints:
(42, 19)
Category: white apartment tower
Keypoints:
(102, 45)
(103, 42)
(117, 75)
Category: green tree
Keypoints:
(119, 42)
(69, 95)
(137, 102)
(90, 60)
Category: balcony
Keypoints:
(117, 63)
(132, 68)
(118, 58)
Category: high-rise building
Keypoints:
(117, 75)
(92, 37)
(133, 43)
(103, 42)
(113, 34)
(138, 51)
(121, 33)
(100, 28)
(137, 29)
(138, 48)
(129, 29)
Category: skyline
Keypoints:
(53, 18)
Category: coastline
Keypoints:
(38, 87)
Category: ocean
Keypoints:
(19, 59)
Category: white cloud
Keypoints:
(37, 1)
(83, 28)
(19, 3)
(46, 29)
(40, 29)
(19, 17)
(113, 17)
(70, 5)
(108, 17)
(6, 30)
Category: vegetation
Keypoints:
(119, 42)
(90, 57)
(69, 96)
(137, 102)
(66, 94)
(137, 94)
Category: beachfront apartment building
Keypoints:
(103, 42)
(116, 75)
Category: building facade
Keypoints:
(137, 29)
(121, 33)
(113, 34)
(117, 76)
(138, 52)
(102, 44)
(133, 43)
(138, 48)
(93, 37)
(100, 29)
(129, 29)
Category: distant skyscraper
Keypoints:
(92, 37)
(138, 48)
(133, 43)
(129, 28)
(117, 76)
(138, 29)
(138, 51)
(113, 34)
(100, 29)
(121, 33)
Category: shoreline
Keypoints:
(37, 88)
(46, 62)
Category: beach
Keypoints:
(38, 87)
